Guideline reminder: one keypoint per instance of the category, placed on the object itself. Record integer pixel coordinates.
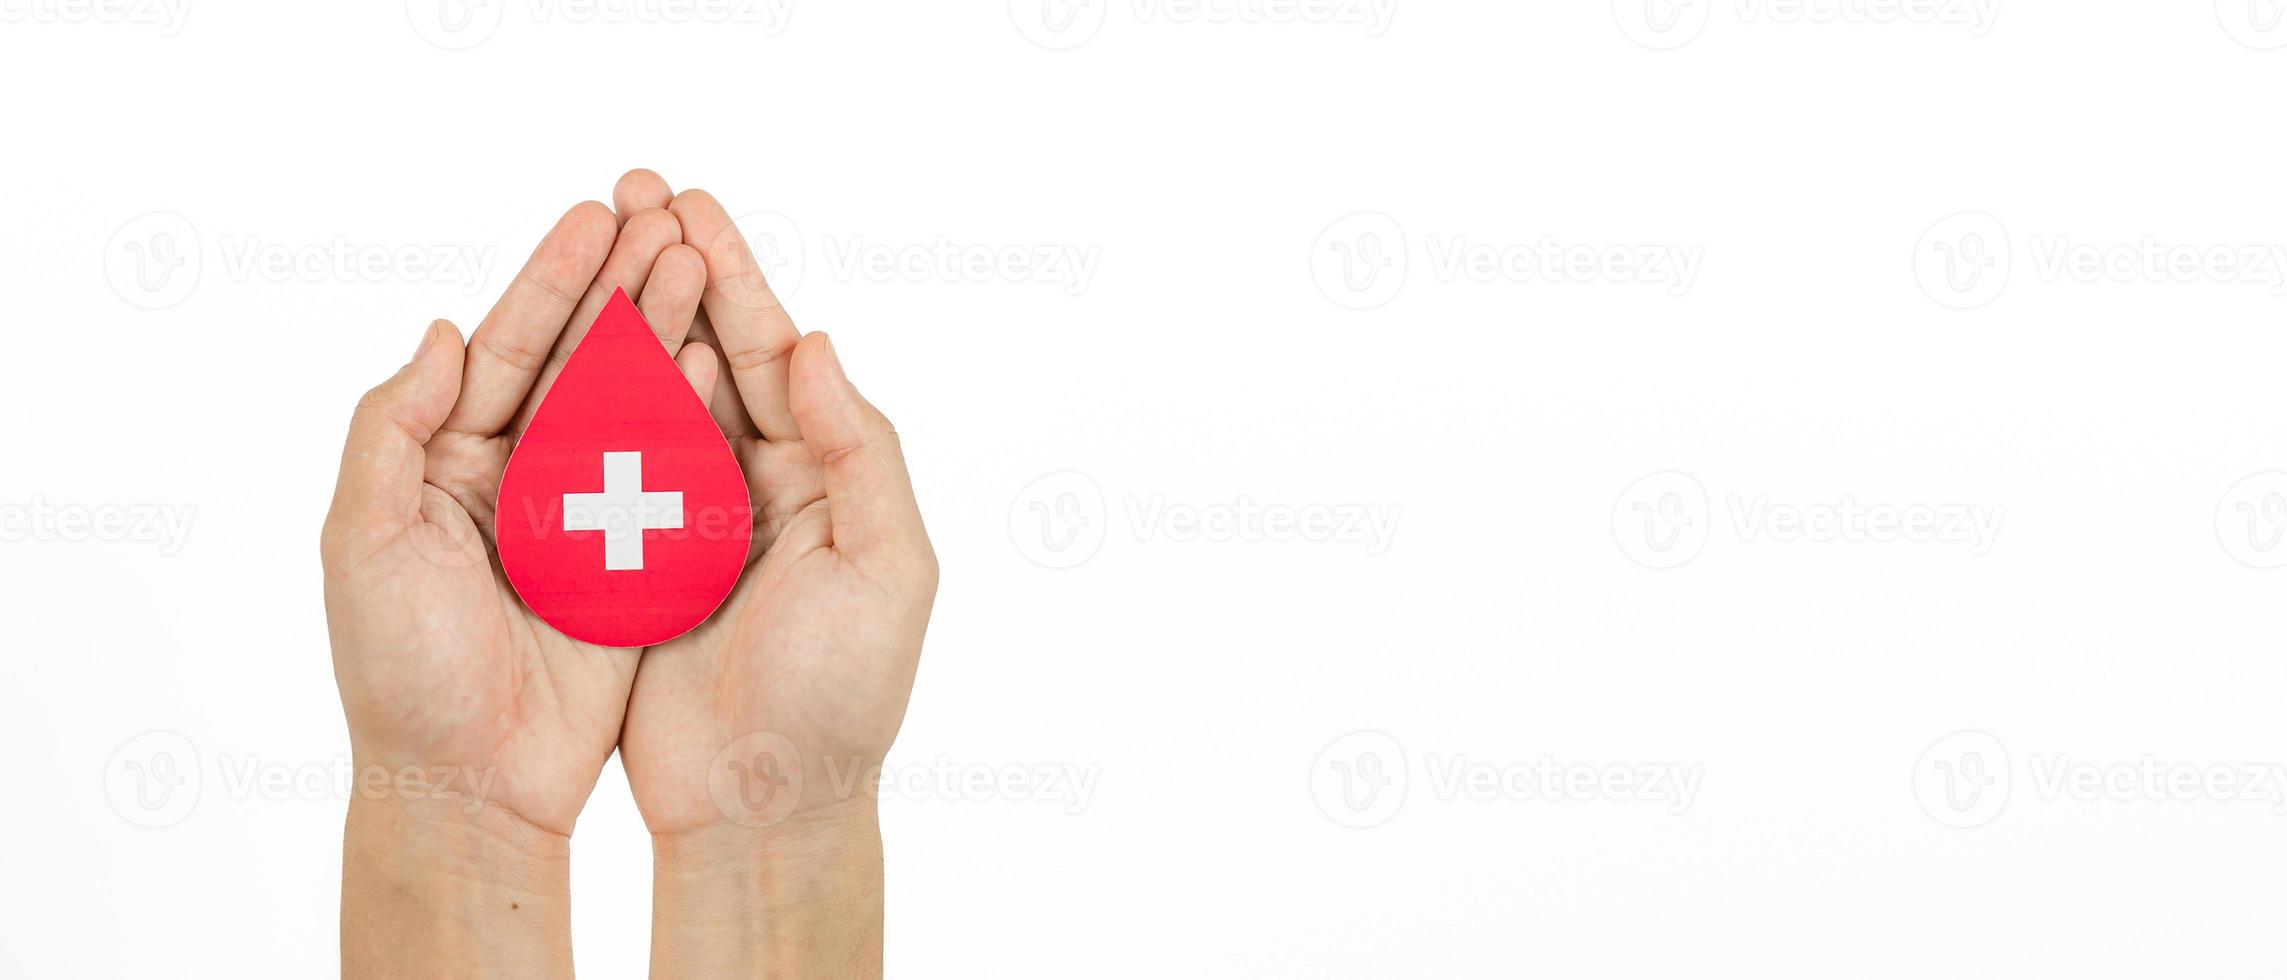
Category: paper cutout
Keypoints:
(623, 516)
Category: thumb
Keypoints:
(382, 466)
(868, 492)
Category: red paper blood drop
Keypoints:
(623, 517)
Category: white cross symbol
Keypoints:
(623, 511)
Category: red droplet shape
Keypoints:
(623, 517)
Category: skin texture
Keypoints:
(442, 669)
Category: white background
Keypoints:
(1201, 683)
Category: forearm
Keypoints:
(799, 899)
(447, 888)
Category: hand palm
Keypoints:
(814, 651)
(461, 674)
(438, 661)
(776, 658)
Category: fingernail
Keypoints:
(428, 340)
(833, 359)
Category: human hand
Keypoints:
(441, 669)
(751, 742)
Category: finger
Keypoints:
(511, 345)
(724, 403)
(867, 488)
(697, 362)
(383, 463)
(637, 190)
(753, 330)
(671, 297)
(629, 267)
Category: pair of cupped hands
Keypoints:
(439, 664)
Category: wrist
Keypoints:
(801, 897)
(452, 886)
